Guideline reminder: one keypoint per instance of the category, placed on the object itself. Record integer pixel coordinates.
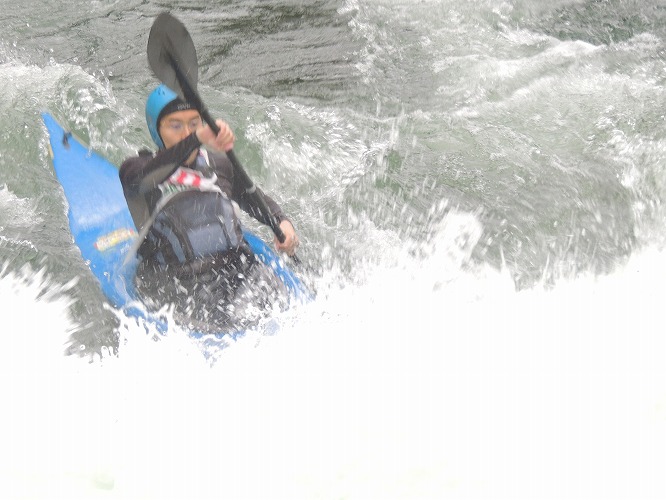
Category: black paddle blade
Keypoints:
(172, 56)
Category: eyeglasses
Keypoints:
(177, 127)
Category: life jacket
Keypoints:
(194, 219)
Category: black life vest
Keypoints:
(193, 220)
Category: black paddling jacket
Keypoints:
(185, 212)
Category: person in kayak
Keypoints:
(184, 200)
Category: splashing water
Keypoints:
(456, 387)
(483, 185)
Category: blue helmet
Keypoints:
(157, 101)
(156, 107)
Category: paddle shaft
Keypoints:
(250, 187)
(192, 96)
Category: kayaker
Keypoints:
(184, 200)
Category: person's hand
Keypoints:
(224, 141)
(290, 239)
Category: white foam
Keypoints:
(415, 383)
(16, 211)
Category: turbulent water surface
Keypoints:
(478, 186)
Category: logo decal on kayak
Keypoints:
(114, 238)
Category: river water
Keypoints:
(478, 186)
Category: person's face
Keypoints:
(176, 126)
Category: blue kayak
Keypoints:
(103, 228)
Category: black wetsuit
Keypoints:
(192, 251)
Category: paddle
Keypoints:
(173, 59)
